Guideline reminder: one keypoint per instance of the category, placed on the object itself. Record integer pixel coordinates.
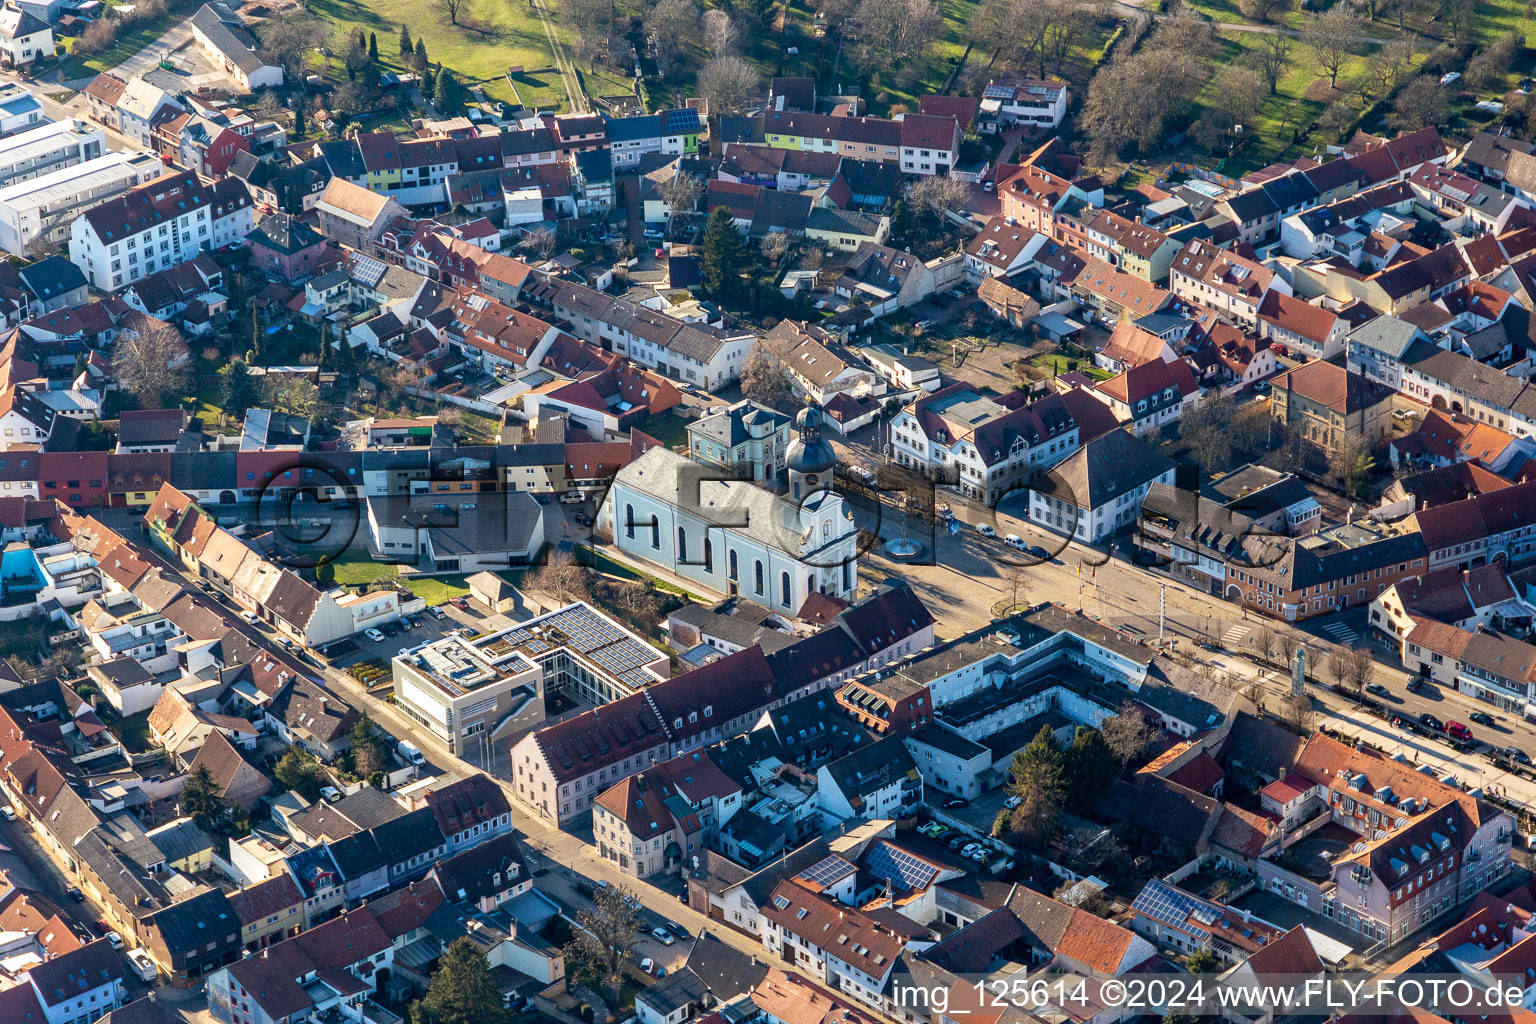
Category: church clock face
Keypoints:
(812, 478)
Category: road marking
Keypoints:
(1235, 635)
(1341, 633)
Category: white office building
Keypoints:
(45, 207)
(47, 148)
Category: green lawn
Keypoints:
(133, 732)
(130, 40)
(1270, 138)
(438, 589)
(1059, 364)
(668, 428)
(356, 569)
(518, 39)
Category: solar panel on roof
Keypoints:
(826, 871)
(902, 869)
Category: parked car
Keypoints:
(390, 628)
(330, 793)
(957, 801)
(461, 603)
(980, 856)
(928, 828)
(374, 635)
(677, 929)
(1516, 754)
(1012, 802)
(662, 936)
(1414, 685)
(583, 519)
(985, 530)
(1458, 732)
(1481, 718)
(114, 940)
(1035, 551)
(1378, 690)
(969, 849)
(958, 842)
(76, 895)
(1429, 721)
(409, 753)
(1261, 388)
(572, 498)
(1013, 540)
(436, 612)
(648, 965)
(7, 813)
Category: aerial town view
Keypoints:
(767, 512)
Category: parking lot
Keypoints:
(430, 626)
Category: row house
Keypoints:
(197, 143)
(1465, 205)
(1113, 295)
(1497, 526)
(498, 337)
(1458, 384)
(1225, 281)
(1424, 847)
(696, 353)
(1338, 567)
(1128, 244)
(1479, 662)
(862, 138)
(669, 132)
(156, 225)
(559, 770)
(929, 145)
(1309, 329)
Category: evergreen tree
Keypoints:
(373, 48)
(237, 389)
(255, 334)
(293, 202)
(448, 99)
(406, 49)
(1090, 764)
(298, 121)
(724, 253)
(462, 990)
(300, 773)
(200, 799)
(419, 62)
(1040, 783)
(371, 77)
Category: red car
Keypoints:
(1457, 731)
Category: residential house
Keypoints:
(1098, 489)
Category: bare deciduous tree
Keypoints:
(728, 84)
(149, 363)
(937, 194)
(671, 24)
(1330, 38)
(541, 242)
(1362, 669)
(451, 8)
(682, 193)
(1272, 58)
(1264, 639)
(775, 246)
(891, 32)
(720, 36)
(287, 40)
(1127, 733)
(1422, 102)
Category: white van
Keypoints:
(409, 753)
(143, 966)
(572, 498)
(1013, 540)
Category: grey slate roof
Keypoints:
(227, 32)
(1388, 335)
(1100, 471)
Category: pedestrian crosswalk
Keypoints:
(1341, 633)
(1235, 635)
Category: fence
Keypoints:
(1204, 174)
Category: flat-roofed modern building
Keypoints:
(47, 148)
(45, 207)
(465, 694)
(584, 654)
